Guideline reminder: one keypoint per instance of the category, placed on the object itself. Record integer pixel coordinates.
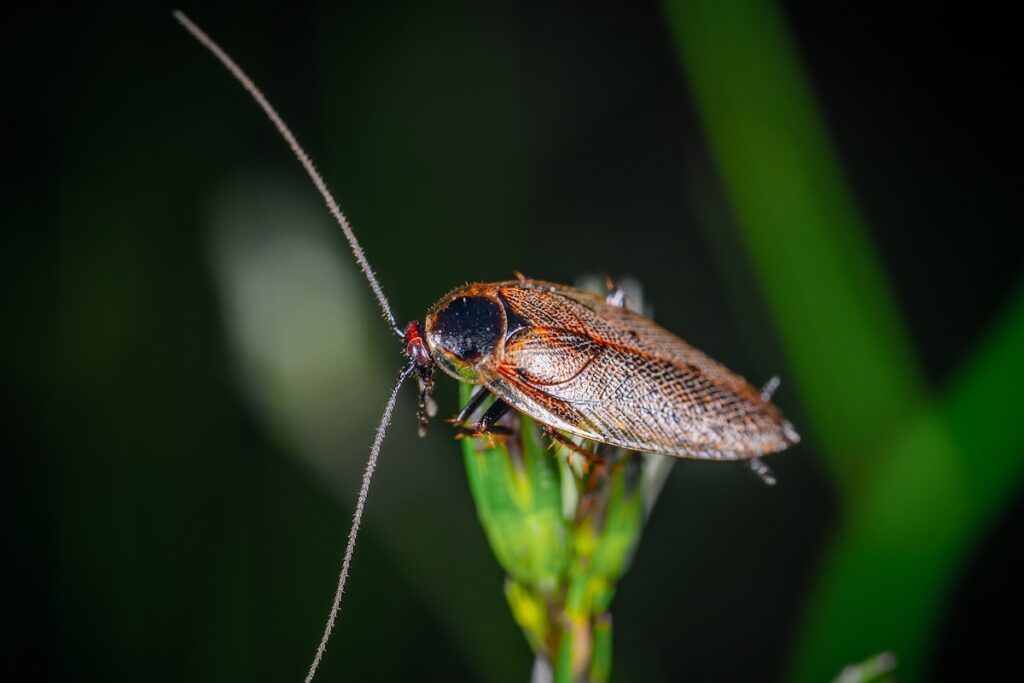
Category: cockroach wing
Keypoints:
(547, 356)
(608, 374)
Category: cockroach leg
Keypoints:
(763, 472)
(474, 402)
(769, 388)
(488, 422)
(427, 408)
(597, 474)
(616, 295)
(589, 457)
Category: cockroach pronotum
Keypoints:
(579, 364)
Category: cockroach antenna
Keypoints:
(303, 158)
(332, 205)
(357, 518)
(511, 340)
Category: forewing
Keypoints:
(611, 375)
(549, 356)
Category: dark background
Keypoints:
(179, 505)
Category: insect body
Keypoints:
(576, 362)
(579, 364)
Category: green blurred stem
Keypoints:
(601, 662)
(982, 410)
(946, 476)
(919, 479)
(841, 328)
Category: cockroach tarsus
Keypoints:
(581, 365)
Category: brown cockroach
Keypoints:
(577, 363)
(586, 365)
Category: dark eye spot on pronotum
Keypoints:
(469, 327)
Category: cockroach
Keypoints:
(578, 363)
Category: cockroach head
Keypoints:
(418, 352)
(415, 348)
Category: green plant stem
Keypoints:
(601, 663)
(564, 534)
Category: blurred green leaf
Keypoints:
(843, 336)
(918, 480)
(947, 474)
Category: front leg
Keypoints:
(426, 408)
(474, 402)
(488, 423)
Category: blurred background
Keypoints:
(195, 366)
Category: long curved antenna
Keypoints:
(357, 518)
(301, 155)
